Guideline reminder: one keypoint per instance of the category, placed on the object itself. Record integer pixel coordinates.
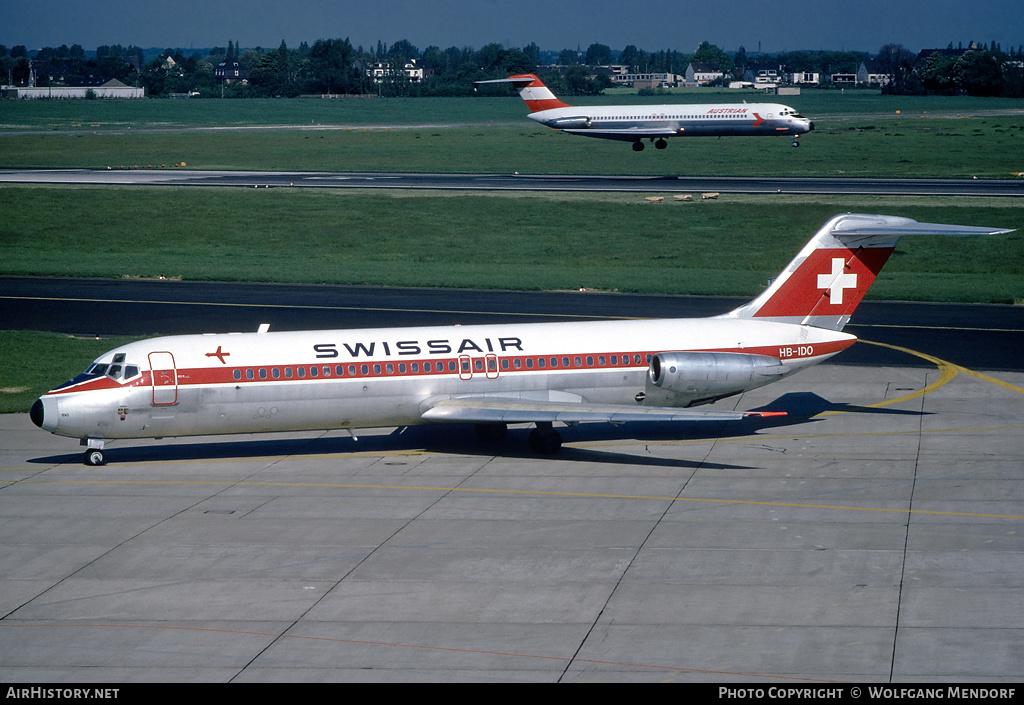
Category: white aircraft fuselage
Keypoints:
(489, 375)
(288, 381)
(630, 122)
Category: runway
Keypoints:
(872, 536)
(519, 182)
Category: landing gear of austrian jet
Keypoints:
(544, 439)
(638, 146)
(660, 144)
(796, 140)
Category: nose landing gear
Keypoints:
(94, 455)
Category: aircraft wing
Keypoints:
(629, 134)
(485, 409)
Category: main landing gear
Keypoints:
(638, 146)
(543, 440)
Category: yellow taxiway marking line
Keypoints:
(948, 371)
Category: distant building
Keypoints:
(805, 77)
(872, 73)
(230, 71)
(649, 80)
(703, 73)
(109, 89)
(411, 72)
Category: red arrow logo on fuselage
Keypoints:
(759, 120)
(219, 355)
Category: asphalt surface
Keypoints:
(873, 537)
(522, 182)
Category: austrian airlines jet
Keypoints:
(489, 375)
(634, 123)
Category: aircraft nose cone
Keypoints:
(36, 413)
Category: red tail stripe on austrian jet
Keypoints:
(537, 96)
(830, 282)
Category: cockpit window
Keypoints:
(116, 371)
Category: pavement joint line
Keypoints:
(416, 646)
(536, 493)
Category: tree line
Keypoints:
(335, 66)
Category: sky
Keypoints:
(652, 25)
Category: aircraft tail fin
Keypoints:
(532, 90)
(824, 283)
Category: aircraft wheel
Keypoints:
(638, 146)
(661, 144)
(491, 432)
(545, 441)
(796, 144)
(94, 457)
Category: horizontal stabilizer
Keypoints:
(826, 281)
(517, 81)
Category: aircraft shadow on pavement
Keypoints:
(802, 406)
(801, 409)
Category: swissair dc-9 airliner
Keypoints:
(635, 123)
(488, 375)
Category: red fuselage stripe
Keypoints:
(479, 365)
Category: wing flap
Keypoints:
(484, 409)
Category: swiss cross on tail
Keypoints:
(830, 282)
(822, 286)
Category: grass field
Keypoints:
(54, 358)
(858, 133)
(618, 242)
